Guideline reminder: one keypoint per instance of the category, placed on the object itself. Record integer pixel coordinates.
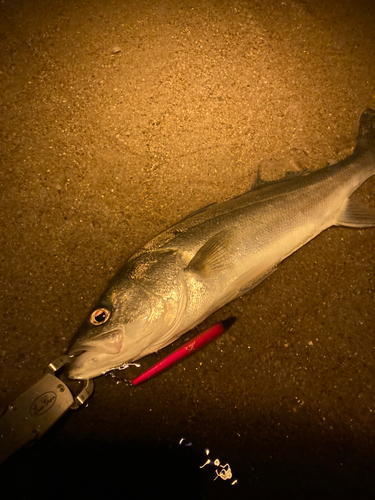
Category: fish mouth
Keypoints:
(92, 358)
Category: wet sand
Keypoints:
(118, 119)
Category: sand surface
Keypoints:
(117, 119)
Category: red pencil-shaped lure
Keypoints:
(185, 350)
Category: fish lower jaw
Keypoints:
(96, 361)
(92, 364)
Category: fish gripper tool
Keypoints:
(38, 408)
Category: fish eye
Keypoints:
(99, 316)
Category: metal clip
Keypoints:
(87, 388)
(38, 408)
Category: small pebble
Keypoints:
(116, 50)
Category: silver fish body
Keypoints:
(216, 254)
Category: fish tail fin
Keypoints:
(366, 132)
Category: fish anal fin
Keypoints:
(213, 256)
(355, 214)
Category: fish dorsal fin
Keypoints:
(213, 256)
(199, 211)
(258, 181)
(355, 214)
(366, 133)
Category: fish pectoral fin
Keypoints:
(214, 255)
(355, 214)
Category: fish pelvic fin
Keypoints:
(355, 214)
(366, 132)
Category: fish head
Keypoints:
(130, 321)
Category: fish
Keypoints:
(215, 255)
